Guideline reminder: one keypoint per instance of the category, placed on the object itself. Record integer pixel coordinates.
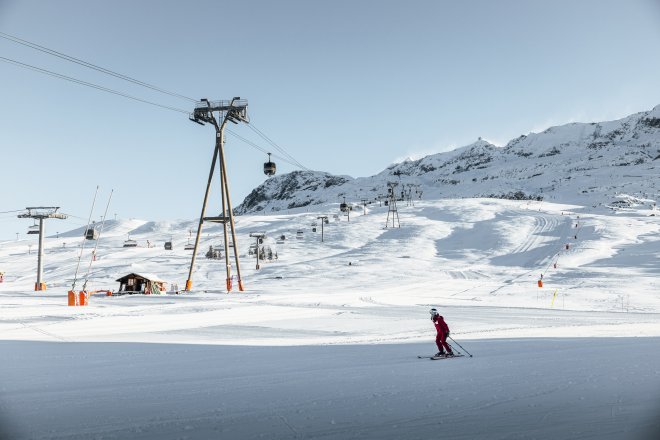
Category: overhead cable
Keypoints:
(88, 84)
(90, 65)
(274, 144)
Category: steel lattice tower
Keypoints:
(234, 111)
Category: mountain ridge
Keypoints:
(579, 162)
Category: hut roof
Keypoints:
(146, 276)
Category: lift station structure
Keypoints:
(41, 213)
(234, 111)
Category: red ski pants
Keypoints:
(441, 342)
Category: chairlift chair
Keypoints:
(34, 229)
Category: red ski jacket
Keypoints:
(440, 324)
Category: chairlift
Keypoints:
(34, 229)
(130, 243)
(269, 167)
(299, 233)
(214, 253)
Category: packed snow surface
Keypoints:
(324, 341)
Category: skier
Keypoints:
(443, 332)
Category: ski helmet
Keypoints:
(433, 312)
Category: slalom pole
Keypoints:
(82, 246)
(91, 258)
(454, 341)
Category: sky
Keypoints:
(346, 87)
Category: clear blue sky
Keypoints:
(346, 87)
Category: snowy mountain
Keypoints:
(584, 163)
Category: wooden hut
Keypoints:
(140, 283)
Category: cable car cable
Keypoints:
(88, 84)
(90, 65)
(263, 150)
(274, 144)
(292, 162)
(271, 142)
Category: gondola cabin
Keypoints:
(168, 245)
(91, 234)
(145, 284)
(269, 167)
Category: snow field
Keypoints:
(318, 348)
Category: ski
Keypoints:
(437, 358)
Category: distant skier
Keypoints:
(443, 331)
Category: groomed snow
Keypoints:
(320, 348)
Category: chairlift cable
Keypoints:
(90, 65)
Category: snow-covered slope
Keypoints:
(318, 348)
(583, 163)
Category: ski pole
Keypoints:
(454, 341)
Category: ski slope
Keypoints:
(323, 343)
